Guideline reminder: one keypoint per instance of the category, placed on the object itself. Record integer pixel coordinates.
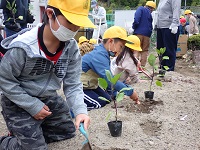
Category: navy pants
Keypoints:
(91, 98)
(169, 40)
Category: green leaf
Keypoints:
(102, 83)
(162, 50)
(124, 89)
(116, 78)
(8, 6)
(104, 99)
(13, 4)
(14, 11)
(108, 75)
(166, 67)
(165, 57)
(151, 59)
(158, 51)
(108, 116)
(120, 96)
(158, 83)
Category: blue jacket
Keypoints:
(99, 60)
(183, 29)
(143, 21)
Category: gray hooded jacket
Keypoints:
(27, 76)
(168, 13)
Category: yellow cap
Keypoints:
(181, 17)
(188, 12)
(135, 45)
(115, 32)
(75, 11)
(93, 41)
(82, 39)
(151, 4)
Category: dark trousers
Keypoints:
(91, 98)
(31, 134)
(169, 40)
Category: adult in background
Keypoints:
(193, 26)
(142, 27)
(38, 62)
(99, 16)
(167, 29)
(15, 22)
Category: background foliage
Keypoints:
(131, 4)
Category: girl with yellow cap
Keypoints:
(127, 62)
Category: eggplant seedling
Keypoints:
(115, 126)
(112, 80)
(161, 58)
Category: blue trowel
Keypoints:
(86, 143)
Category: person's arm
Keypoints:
(191, 26)
(10, 70)
(176, 7)
(73, 88)
(137, 18)
(129, 65)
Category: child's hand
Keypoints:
(134, 97)
(43, 113)
(139, 64)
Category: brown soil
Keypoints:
(171, 121)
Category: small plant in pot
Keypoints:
(162, 68)
(152, 62)
(115, 127)
(12, 21)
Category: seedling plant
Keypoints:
(112, 80)
(160, 53)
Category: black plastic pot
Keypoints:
(115, 128)
(162, 73)
(149, 95)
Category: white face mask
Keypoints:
(62, 34)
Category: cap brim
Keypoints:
(131, 46)
(125, 39)
(79, 20)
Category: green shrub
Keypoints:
(194, 42)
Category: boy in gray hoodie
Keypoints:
(37, 62)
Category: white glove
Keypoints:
(174, 29)
(190, 35)
(130, 31)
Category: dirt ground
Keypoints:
(170, 122)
